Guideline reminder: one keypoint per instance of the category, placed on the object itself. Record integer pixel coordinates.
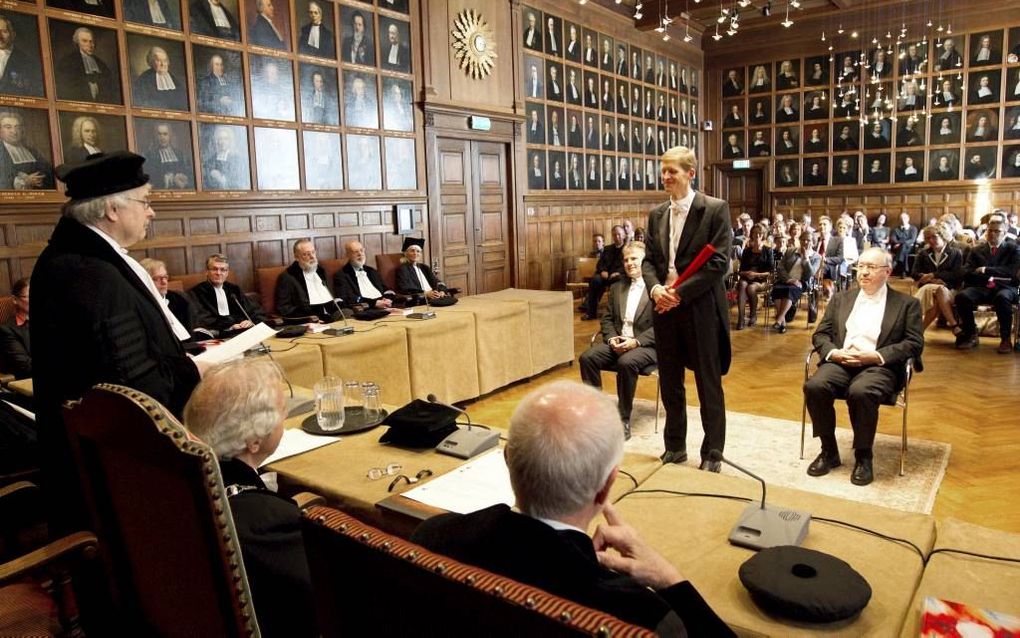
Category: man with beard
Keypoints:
(301, 292)
(359, 283)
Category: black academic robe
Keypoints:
(327, 47)
(262, 34)
(291, 295)
(9, 170)
(146, 94)
(204, 299)
(73, 82)
(138, 11)
(22, 75)
(202, 22)
(345, 283)
(407, 280)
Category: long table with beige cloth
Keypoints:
(550, 324)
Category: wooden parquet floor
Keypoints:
(969, 399)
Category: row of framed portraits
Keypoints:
(988, 87)
(554, 127)
(87, 69)
(904, 132)
(365, 36)
(566, 170)
(903, 167)
(224, 158)
(559, 39)
(875, 64)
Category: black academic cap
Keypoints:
(412, 241)
(103, 174)
(420, 424)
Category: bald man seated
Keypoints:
(359, 283)
(301, 291)
(563, 453)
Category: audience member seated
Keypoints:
(861, 232)
(598, 244)
(901, 242)
(844, 230)
(417, 279)
(756, 265)
(796, 275)
(608, 270)
(937, 270)
(628, 339)
(990, 277)
(15, 342)
(238, 410)
(879, 233)
(639, 234)
(179, 305)
(563, 452)
(830, 247)
(864, 339)
(743, 230)
(217, 301)
(302, 295)
(358, 283)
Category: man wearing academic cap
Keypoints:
(416, 278)
(96, 314)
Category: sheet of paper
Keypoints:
(22, 410)
(477, 484)
(236, 346)
(296, 441)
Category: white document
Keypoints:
(296, 441)
(18, 408)
(236, 346)
(477, 484)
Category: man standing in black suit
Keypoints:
(691, 321)
(563, 455)
(990, 277)
(628, 339)
(83, 75)
(864, 340)
(608, 271)
(19, 72)
(211, 18)
(263, 32)
(315, 37)
(221, 305)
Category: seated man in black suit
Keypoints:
(417, 279)
(864, 339)
(220, 305)
(990, 277)
(238, 410)
(563, 454)
(628, 339)
(359, 283)
(15, 341)
(301, 292)
(180, 307)
(608, 270)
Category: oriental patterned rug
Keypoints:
(771, 449)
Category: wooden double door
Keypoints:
(473, 215)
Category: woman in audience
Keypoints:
(15, 343)
(879, 234)
(795, 275)
(417, 279)
(238, 410)
(844, 228)
(755, 268)
(793, 231)
(938, 270)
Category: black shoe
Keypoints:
(821, 465)
(674, 456)
(753, 319)
(776, 326)
(740, 325)
(782, 328)
(710, 466)
(966, 341)
(626, 430)
(862, 474)
(791, 313)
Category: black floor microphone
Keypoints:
(761, 526)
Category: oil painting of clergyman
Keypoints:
(1011, 161)
(395, 52)
(270, 27)
(315, 37)
(360, 106)
(85, 134)
(22, 165)
(218, 81)
(532, 29)
(165, 14)
(397, 108)
(318, 95)
(357, 46)
(87, 69)
(155, 65)
(215, 18)
(536, 170)
(224, 157)
(323, 166)
(272, 88)
(166, 147)
(363, 162)
(95, 7)
(985, 48)
(944, 166)
(394, 5)
(982, 163)
(20, 72)
(401, 168)
(276, 159)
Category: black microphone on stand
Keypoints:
(761, 526)
(346, 329)
(431, 398)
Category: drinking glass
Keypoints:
(352, 395)
(329, 403)
(373, 409)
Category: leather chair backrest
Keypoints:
(176, 285)
(157, 503)
(266, 278)
(368, 582)
(387, 265)
(331, 266)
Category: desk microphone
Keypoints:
(761, 526)
(346, 329)
(428, 314)
(465, 444)
(295, 405)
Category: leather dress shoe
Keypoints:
(822, 464)
(710, 466)
(862, 474)
(674, 456)
(966, 341)
(1005, 347)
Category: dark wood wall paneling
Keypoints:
(923, 200)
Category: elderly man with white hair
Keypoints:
(563, 453)
(301, 291)
(359, 283)
(238, 410)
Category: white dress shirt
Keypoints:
(678, 210)
(317, 291)
(368, 291)
(634, 296)
(864, 325)
(222, 306)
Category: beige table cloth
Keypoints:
(551, 318)
(502, 336)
